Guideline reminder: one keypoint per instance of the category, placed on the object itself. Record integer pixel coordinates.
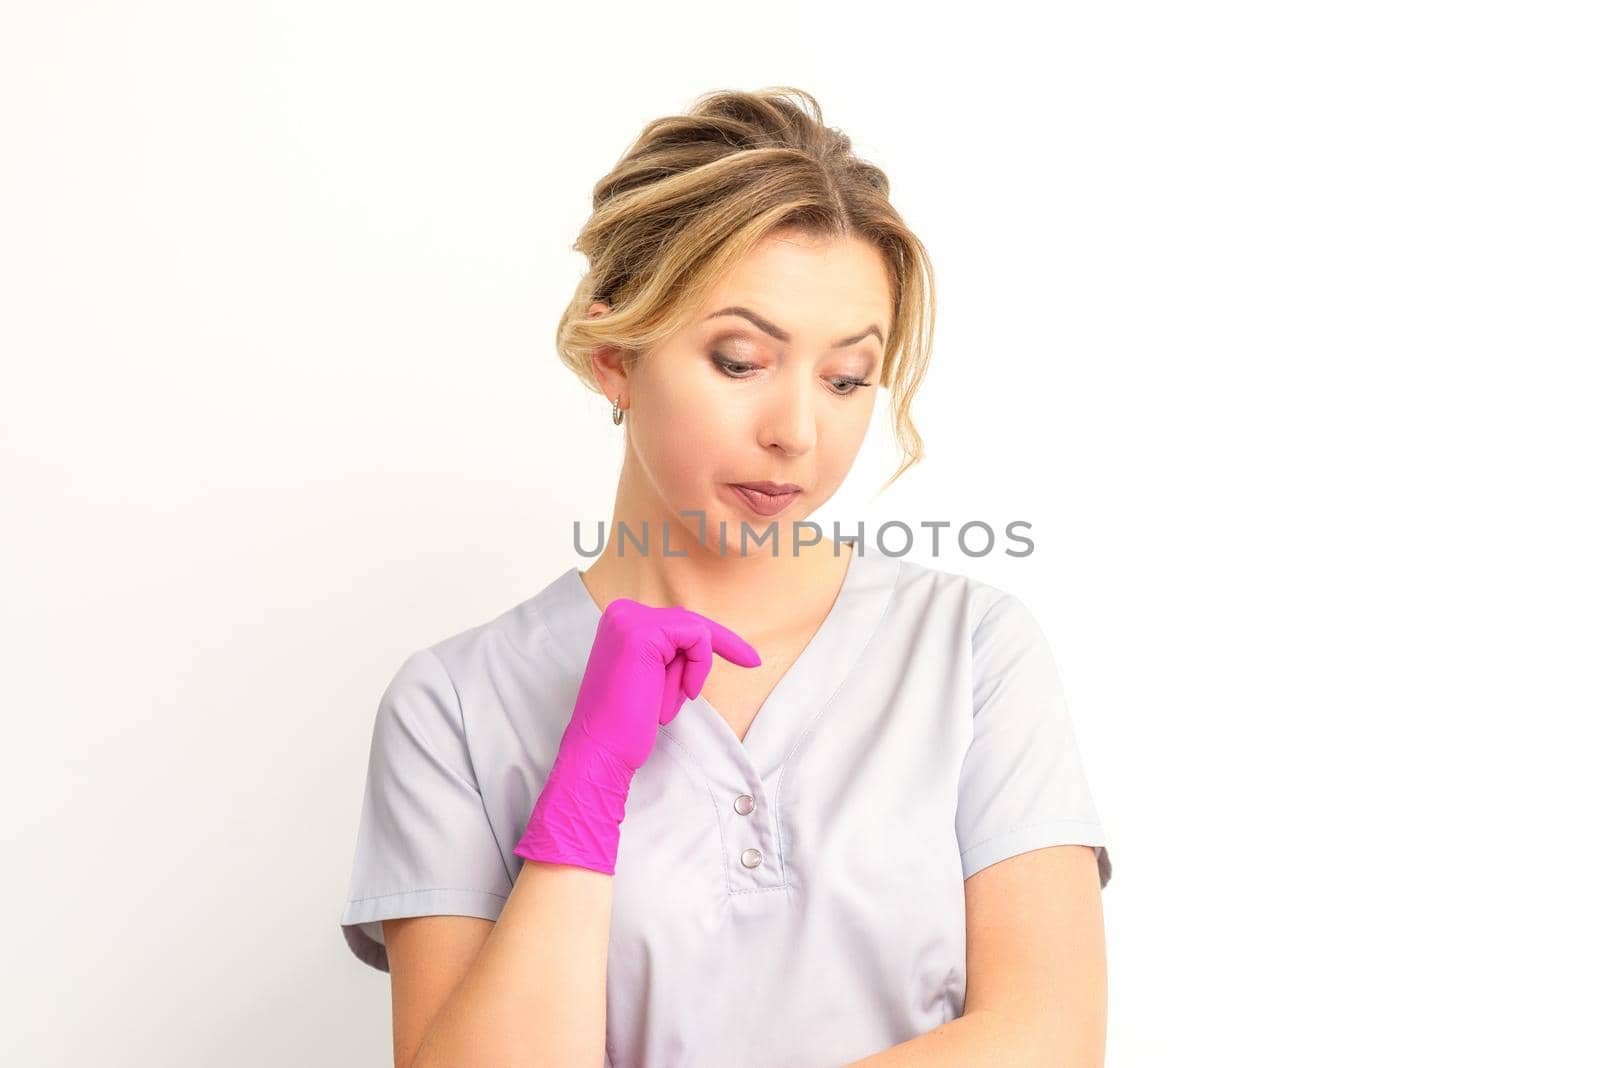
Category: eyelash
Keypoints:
(726, 364)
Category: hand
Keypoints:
(644, 663)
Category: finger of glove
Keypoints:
(726, 643)
(672, 694)
(694, 674)
(693, 639)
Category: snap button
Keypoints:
(743, 804)
(751, 858)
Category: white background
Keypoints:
(1277, 321)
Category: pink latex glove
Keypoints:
(644, 664)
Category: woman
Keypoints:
(857, 827)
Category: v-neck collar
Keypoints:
(801, 693)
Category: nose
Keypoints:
(788, 421)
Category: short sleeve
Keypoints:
(1022, 784)
(424, 845)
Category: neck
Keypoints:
(756, 591)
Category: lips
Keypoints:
(765, 498)
(772, 489)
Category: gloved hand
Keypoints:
(644, 663)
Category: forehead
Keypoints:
(809, 286)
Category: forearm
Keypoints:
(536, 993)
(976, 1038)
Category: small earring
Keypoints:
(616, 412)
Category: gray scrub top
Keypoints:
(792, 900)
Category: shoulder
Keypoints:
(476, 678)
(523, 637)
(954, 601)
(979, 637)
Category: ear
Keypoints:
(607, 363)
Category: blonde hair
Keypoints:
(695, 192)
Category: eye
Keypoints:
(732, 368)
(736, 369)
(846, 386)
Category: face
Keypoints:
(780, 390)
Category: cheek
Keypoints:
(678, 445)
(838, 441)
(677, 454)
(848, 426)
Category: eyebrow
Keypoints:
(772, 330)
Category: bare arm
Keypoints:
(534, 993)
(1036, 969)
